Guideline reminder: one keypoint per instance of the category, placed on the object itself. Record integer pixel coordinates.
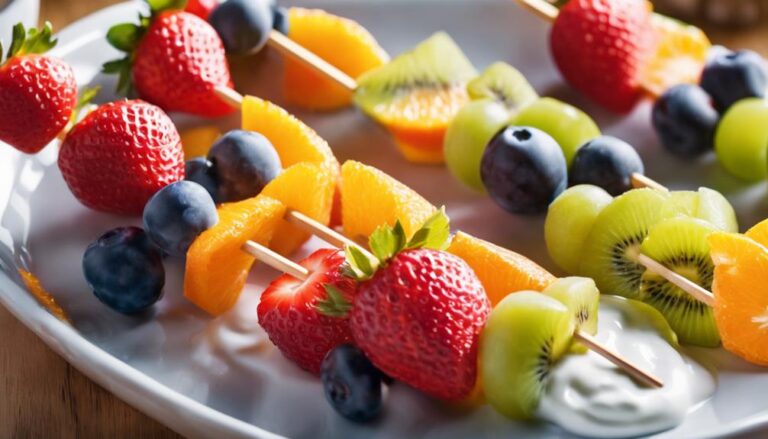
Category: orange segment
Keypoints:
(759, 232)
(42, 295)
(680, 55)
(294, 141)
(307, 188)
(340, 41)
(741, 302)
(500, 270)
(198, 141)
(216, 266)
(370, 198)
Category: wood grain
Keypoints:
(43, 396)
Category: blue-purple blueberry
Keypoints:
(243, 163)
(606, 162)
(200, 170)
(685, 120)
(243, 25)
(732, 76)
(352, 384)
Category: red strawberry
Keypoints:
(419, 318)
(201, 8)
(175, 62)
(306, 319)
(116, 158)
(37, 92)
(601, 47)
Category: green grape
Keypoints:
(741, 141)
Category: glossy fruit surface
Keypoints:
(177, 214)
(342, 42)
(420, 328)
(302, 317)
(732, 76)
(468, 135)
(370, 198)
(740, 308)
(243, 163)
(243, 25)
(570, 127)
(708, 205)
(606, 162)
(352, 384)
(125, 270)
(685, 120)
(306, 188)
(217, 267)
(123, 152)
(569, 222)
(200, 171)
(601, 48)
(501, 271)
(523, 170)
(741, 139)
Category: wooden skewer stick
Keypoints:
(541, 8)
(275, 260)
(682, 282)
(641, 181)
(617, 359)
(295, 51)
(327, 234)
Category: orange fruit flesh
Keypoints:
(340, 41)
(679, 58)
(198, 141)
(741, 298)
(307, 188)
(217, 268)
(370, 198)
(501, 271)
(294, 141)
(759, 232)
(418, 120)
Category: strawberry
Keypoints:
(306, 319)
(175, 60)
(201, 8)
(119, 155)
(601, 47)
(418, 318)
(37, 92)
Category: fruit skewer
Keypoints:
(285, 265)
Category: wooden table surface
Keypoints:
(43, 396)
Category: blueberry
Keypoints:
(124, 270)
(281, 20)
(200, 170)
(732, 76)
(607, 162)
(243, 25)
(685, 120)
(523, 169)
(177, 214)
(243, 163)
(352, 384)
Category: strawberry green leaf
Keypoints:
(88, 94)
(17, 41)
(335, 304)
(121, 67)
(359, 266)
(165, 5)
(124, 37)
(32, 41)
(386, 242)
(434, 234)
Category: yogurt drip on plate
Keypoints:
(587, 395)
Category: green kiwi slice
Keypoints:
(582, 298)
(708, 205)
(504, 84)
(611, 248)
(680, 244)
(524, 336)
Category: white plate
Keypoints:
(166, 364)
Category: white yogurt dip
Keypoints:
(589, 396)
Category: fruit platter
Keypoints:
(434, 218)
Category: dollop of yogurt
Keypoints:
(589, 396)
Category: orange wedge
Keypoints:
(759, 232)
(501, 271)
(340, 41)
(370, 198)
(216, 266)
(307, 188)
(741, 302)
(198, 141)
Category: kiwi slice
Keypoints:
(434, 67)
(526, 333)
(612, 247)
(708, 205)
(569, 221)
(680, 244)
(582, 298)
(504, 84)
